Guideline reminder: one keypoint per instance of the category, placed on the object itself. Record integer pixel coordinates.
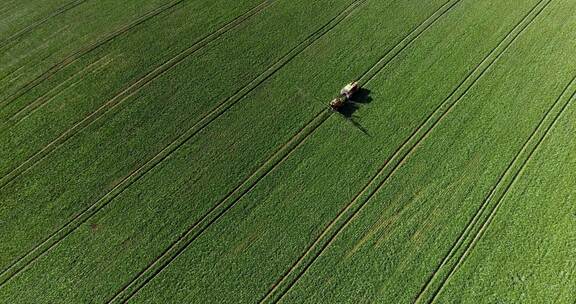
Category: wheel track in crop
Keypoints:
(126, 93)
(217, 211)
(306, 129)
(53, 93)
(59, 11)
(29, 109)
(350, 211)
(502, 186)
(465, 233)
(74, 223)
(85, 50)
(248, 183)
(55, 237)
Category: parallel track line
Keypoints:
(27, 29)
(55, 237)
(476, 217)
(87, 49)
(217, 212)
(350, 211)
(220, 209)
(501, 189)
(226, 104)
(48, 96)
(128, 92)
(249, 182)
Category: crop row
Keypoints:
(38, 51)
(411, 224)
(526, 254)
(203, 196)
(19, 17)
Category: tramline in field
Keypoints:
(265, 151)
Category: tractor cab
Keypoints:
(337, 103)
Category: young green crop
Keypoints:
(399, 239)
(19, 17)
(270, 228)
(89, 84)
(167, 183)
(197, 187)
(216, 171)
(161, 37)
(37, 51)
(527, 252)
(43, 203)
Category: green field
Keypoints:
(184, 151)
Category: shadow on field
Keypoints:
(360, 98)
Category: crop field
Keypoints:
(184, 151)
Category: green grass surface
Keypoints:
(192, 157)
(100, 79)
(53, 41)
(118, 135)
(19, 17)
(526, 254)
(395, 243)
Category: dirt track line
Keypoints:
(81, 52)
(388, 169)
(218, 211)
(82, 217)
(513, 172)
(473, 221)
(48, 96)
(280, 288)
(282, 153)
(128, 92)
(58, 11)
(51, 240)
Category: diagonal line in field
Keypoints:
(217, 211)
(69, 227)
(511, 175)
(59, 11)
(346, 215)
(128, 92)
(281, 286)
(371, 72)
(220, 210)
(248, 183)
(33, 254)
(51, 94)
(480, 211)
(87, 49)
(229, 201)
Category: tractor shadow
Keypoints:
(360, 98)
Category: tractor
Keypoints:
(345, 95)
